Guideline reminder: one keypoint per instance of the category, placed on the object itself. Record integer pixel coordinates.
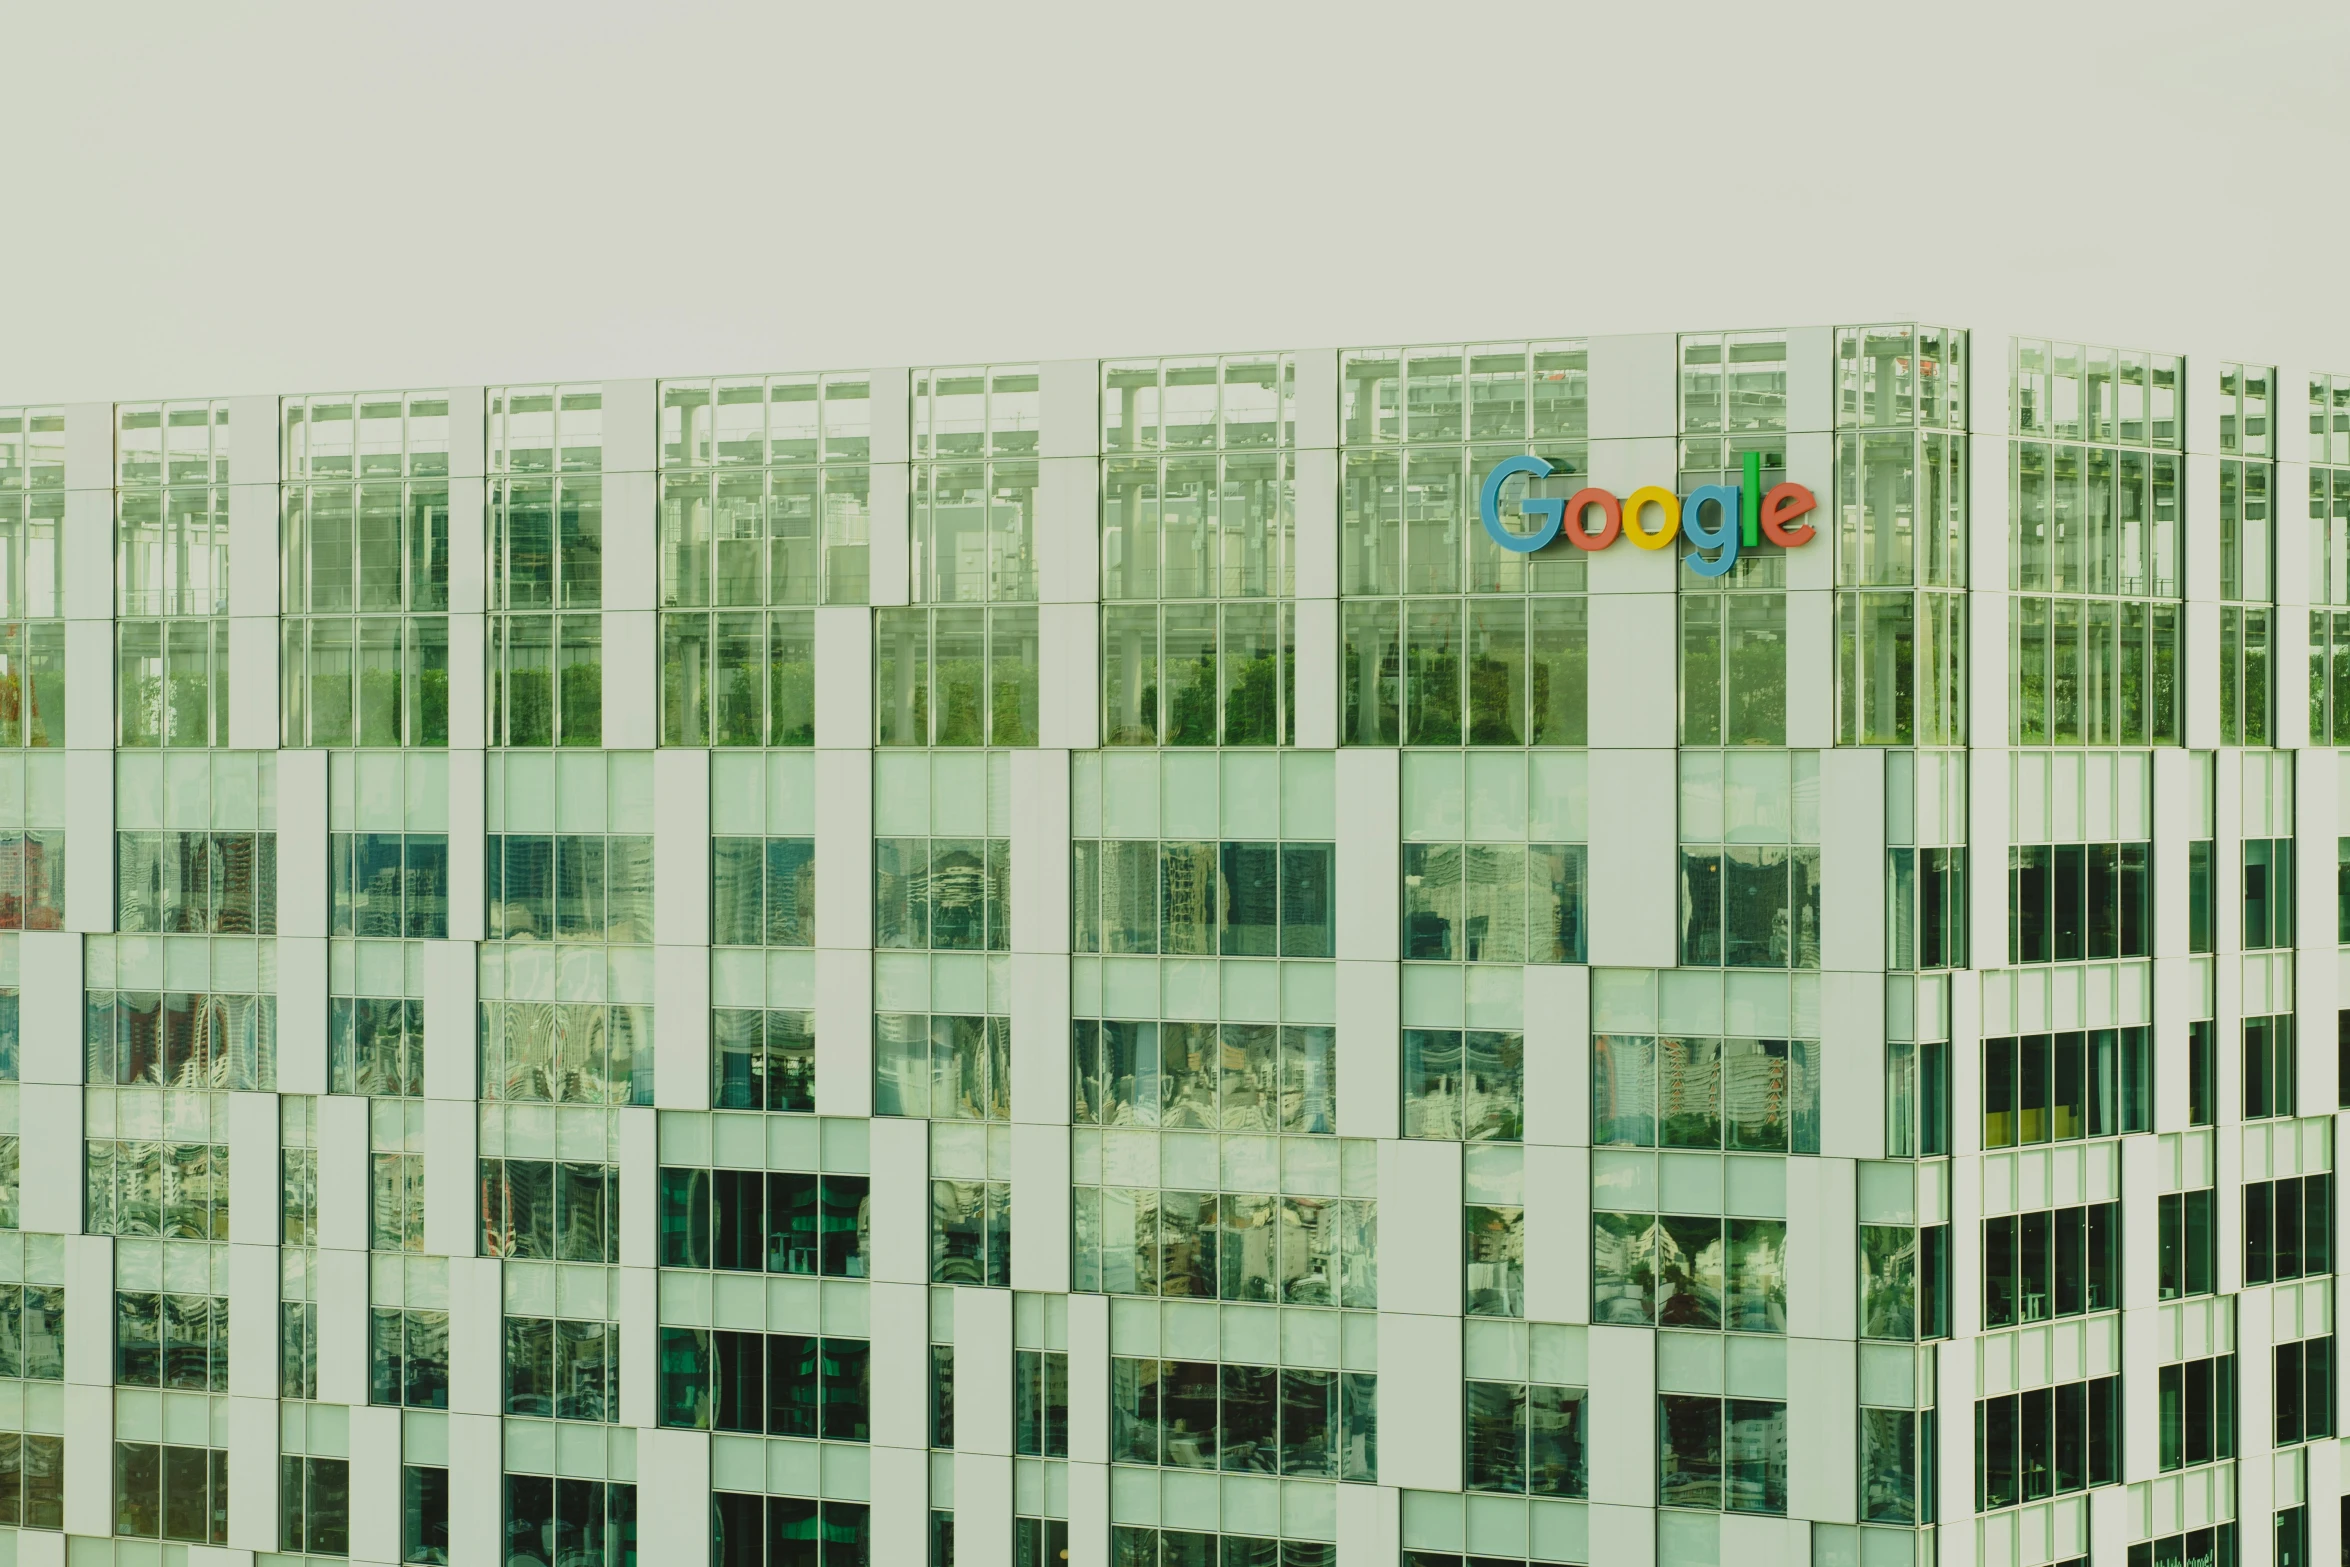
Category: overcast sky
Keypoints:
(224, 199)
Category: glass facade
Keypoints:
(860, 967)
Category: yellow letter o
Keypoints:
(1639, 501)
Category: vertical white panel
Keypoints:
(1821, 1223)
(1811, 378)
(1089, 1512)
(1369, 853)
(1420, 1401)
(1370, 1525)
(477, 1307)
(89, 1276)
(1633, 693)
(1069, 701)
(1822, 1438)
(253, 1294)
(1558, 1054)
(844, 681)
(1987, 837)
(1069, 420)
(375, 1484)
(640, 1171)
(50, 1148)
(468, 431)
(89, 1460)
(891, 408)
(1369, 1016)
(477, 1489)
(49, 1001)
(301, 1016)
(1089, 1378)
(1811, 669)
(900, 1157)
(452, 1215)
(1634, 858)
(254, 1190)
(1040, 851)
(1068, 531)
(89, 824)
(681, 1042)
(1316, 576)
(632, 550)
(1316, 408)
(301, 843)
(898, 1319)
(1558, 1234)
(1635, 386)
(681, 847)
(342, 1318)
(901, 1519)
(1317, 673)
(983, 1374)
(252, 675)
(89, 450)
(252, 1476)
(983, 1502)
(1040, 1196)
(1852, 860)
(452, 977)
(844, 1032)
(1420, 1198)
(844, 829)
(1040, 1038)
(640, 1338)
(889, 546)
(1622, 1367)
(632, 431)
(1852, 1046)
(632, 677)
(469, 676)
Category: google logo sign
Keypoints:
(1742, 515)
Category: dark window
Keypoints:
(2058, 1087)
(2188, 1244)
(589, 1521)
(1040, 1403)
(2197, 1423)
(2058, 1263)
(424, 1515)
(2048, 1441)
(1199, 1415)
(2268, 893)
(1729, 1454)
(2304, 1391)
(2288, 1228)
(2072, 901)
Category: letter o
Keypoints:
(1665, 501)
(1610, 508)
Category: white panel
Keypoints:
(1069, 422)
(1635, 385)
(889, 543)
(254, 1191)
(1316, 540)
(301, 843)
(1068, 687)
(898, 1320)
(681, 1042)
(301, 1016)
(468, 432)
(1954, 1388)
(1068, 531)
(632, 547)
(844, 827)
(468, 823)
(1040, 1037)
(89, 831)
(49, 1003)
(89, 1276)
(1821, 1224)
(252, 1476)
(983, 1373)
(681, 847)
(900, 1159)
(89, 1460)
(1622, 1367)
(451, 977)
(1369, 1015)
(1811, 378)
(252, 549)
(88, 557)
(1040, 851)
(892, 406)
(1632, 694)
(1852, 1047)
(640, 1171)
(673, 1487)
(375, 1485)
(632, 430)
(1558, 1234)
(2199, 373)
(983, 1503)
(1987, 564)
(1316, 409)
(900, 1477)
(1089, 1512)
(1089, 1379)
(50, 1148)
(342, 1319)
(640, 1313)
(89, 685)
(1852, 860)
(452, 1219)
(468, 548)
(1558, 1053)
(1369, 853)
(1987, 832)
(1634, 861)
(343, 1182)
(1811, 669)
(632, 674)
(477, 1489)
(469, 697)
(252, 674)
(1040, 1196)
(1420, 1198)
(1317, 674)
(844, 1032)
(253, 1292)
(1821, 1436)
(89, 453)
(1420, 1402)
(844, 692)
(476, 1337)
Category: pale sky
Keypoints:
(228, 199)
